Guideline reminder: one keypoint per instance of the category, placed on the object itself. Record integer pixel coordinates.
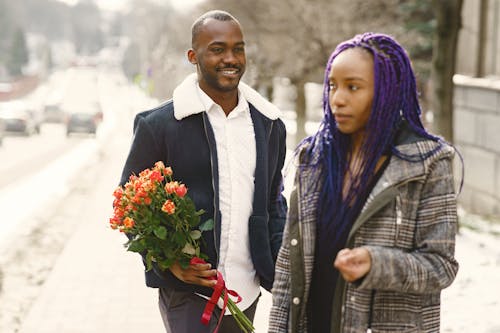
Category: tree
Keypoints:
(448, 23)
(18, 53)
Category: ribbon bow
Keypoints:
(220, 290)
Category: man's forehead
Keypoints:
(220, 31)
(213, 25)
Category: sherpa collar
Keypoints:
(186, 102)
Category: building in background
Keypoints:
(476, 122)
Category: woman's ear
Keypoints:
(192, 56)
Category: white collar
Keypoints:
(210, 105)
(185, 104)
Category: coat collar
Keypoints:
(185, 104)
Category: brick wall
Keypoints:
(476, 127)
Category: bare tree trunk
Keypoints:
(300, 109)
(483, 27)
(448, 19)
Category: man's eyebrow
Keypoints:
(224, 43)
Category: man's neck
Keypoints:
(227, 100)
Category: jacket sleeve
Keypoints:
(281, 291)
(144, 151)
(431, 265)
(277, 202)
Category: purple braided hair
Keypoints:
(395, 99)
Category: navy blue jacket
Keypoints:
(188, 146)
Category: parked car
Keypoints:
(17, 118)
(36, 113)
(53, 113)
(2, 131)
(83, 121)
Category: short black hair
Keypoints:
(218, 15)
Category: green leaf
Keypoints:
(179, 238)
(149, 261)
(160, 232)
(189, 249)
(195, 234)
(163, 264)
(135, 246)
(207, 225)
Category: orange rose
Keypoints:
(168, 171)
(171, 187)
(168, 207)
(159, 165)
(181, 190)
(118, 193)
(128, 223)
(144, 173)
(156, 176)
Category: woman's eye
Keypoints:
(353, 87)
(332, 86)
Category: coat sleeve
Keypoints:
(281, 291)
(431, 265)
(144, 151)
(277, 202)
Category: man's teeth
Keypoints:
(226, 71)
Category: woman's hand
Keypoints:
(198, 274)
(353, 264)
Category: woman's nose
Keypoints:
(337, 98)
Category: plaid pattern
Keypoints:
(408, 224)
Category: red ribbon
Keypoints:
(219, 288)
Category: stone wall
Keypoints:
(476, 127)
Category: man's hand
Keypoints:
(353, 264)
(195, 274)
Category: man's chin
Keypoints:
(229, 85)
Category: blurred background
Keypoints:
(74, 73)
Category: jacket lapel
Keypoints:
(262, 129)
(398, 171)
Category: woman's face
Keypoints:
(351, 90)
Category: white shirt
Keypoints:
(236, 157)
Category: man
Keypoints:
(226, 143)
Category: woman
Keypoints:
(370, 237)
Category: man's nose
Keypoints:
(229, 57)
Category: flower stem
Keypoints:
(241, 319)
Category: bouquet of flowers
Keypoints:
(162, 223)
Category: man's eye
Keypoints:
(239, 49)
(217, 50)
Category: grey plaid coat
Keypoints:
(408, 224)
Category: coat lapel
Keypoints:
(262, 128)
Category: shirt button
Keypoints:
(353, 299)
(294, 242)
(296, 301)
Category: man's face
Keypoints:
(219, 54)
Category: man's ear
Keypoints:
(192, 56)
